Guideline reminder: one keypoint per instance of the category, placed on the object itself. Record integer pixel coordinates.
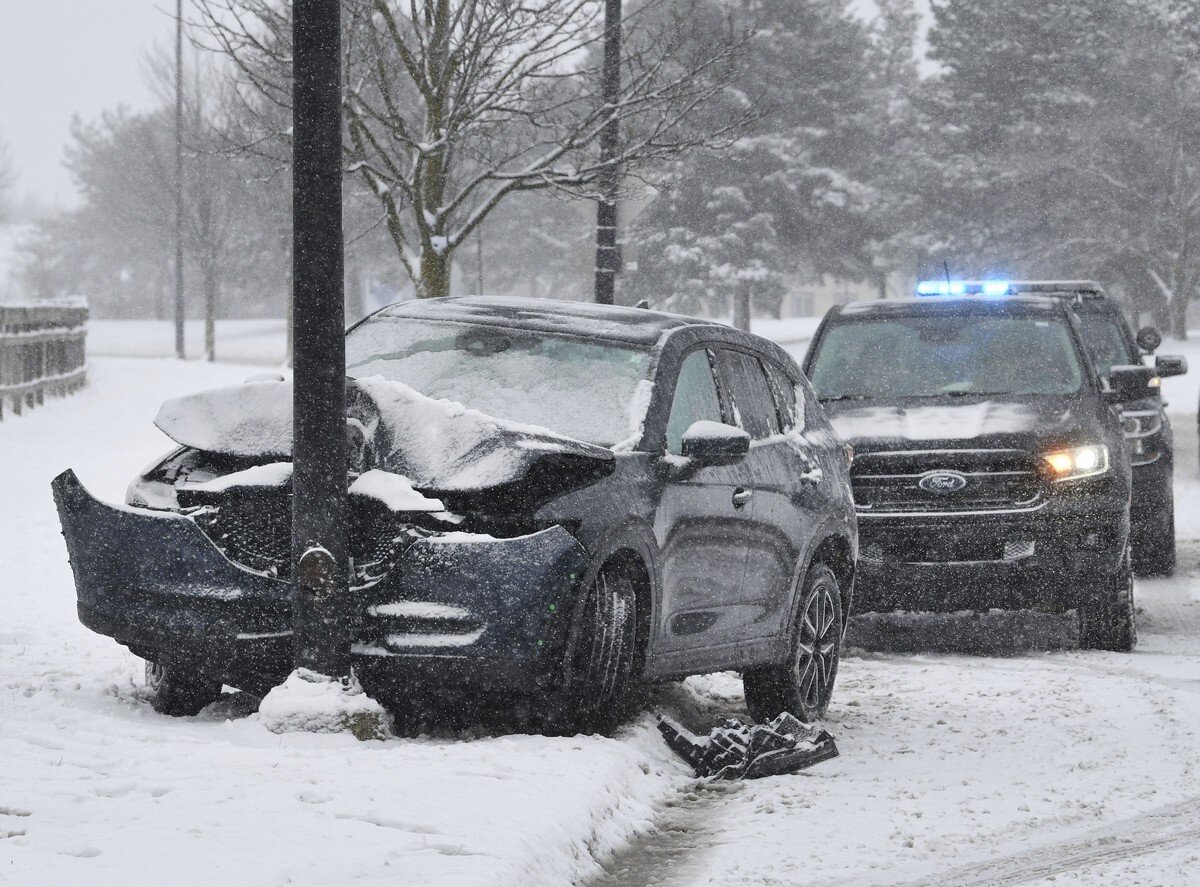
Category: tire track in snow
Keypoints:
(1175, 825)
(673, 850)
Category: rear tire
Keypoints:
(1156, 555)
(803, 685)
(598, 665)
(1107, 621)
(179, 691)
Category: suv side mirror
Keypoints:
(1168, 365)
(715, 443)
(1148, 339)
(1129, 383)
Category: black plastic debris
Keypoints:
(735, 750)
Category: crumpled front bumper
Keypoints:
(455, 606)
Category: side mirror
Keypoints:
(1168, 365)
(714, 443)
(1129, 383)
(1148, 339)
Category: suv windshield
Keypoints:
(585, 390)
(928, 356)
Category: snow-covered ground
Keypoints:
(238, 341)
(954, 770)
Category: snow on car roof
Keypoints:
(635, 326)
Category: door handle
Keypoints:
(741, 497)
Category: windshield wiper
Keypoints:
(837, 397)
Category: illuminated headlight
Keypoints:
(1078, 462)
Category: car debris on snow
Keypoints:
(736, 750)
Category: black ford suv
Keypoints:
(1110, 341)
(990, 467)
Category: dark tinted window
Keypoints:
(695, 399)
(751, 397)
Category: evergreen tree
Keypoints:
(792, 195)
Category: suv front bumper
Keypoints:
(1044, 558)
(459, 608)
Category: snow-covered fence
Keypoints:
(41, 352)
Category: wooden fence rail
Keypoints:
(41, 352)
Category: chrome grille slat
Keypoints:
(997, 479)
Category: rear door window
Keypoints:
(754, 404)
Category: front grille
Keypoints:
(253, 528)
(925, 481)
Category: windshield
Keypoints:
(1104, 339)
(585, 390)
(927, 356)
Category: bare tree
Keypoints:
(451, 106)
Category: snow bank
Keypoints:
(313, 703)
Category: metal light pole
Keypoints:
(319, 548)
(608, 253)
(179, 346)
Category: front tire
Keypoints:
(1156, 555)
(598, 665)
(803, 685)
(1107, 621)
(179, 691)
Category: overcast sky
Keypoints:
(62, 57)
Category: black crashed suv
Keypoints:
(548, 499)
(990, 467)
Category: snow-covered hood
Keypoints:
(438, 445)
(979, 422)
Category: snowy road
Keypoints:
(1073, 766)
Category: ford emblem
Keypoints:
(943, 483)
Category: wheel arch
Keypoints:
(632, 546)
(837, 553)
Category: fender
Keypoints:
(829, 528)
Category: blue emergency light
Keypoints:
(963, 288)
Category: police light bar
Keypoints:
(963, 288)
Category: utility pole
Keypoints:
(319, 547)
(608, 252)
(179, 314)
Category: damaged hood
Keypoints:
(438, 445)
